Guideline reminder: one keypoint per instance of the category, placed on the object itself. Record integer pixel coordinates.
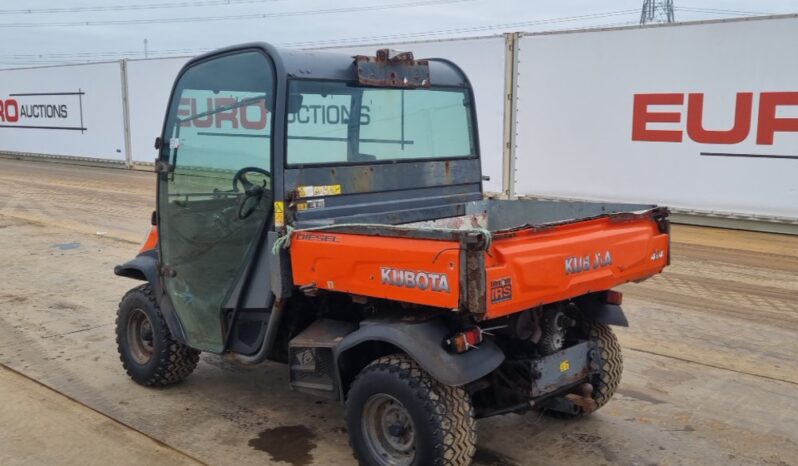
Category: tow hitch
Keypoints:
(583, 399)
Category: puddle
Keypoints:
(487, 457)
(291, 444)
(66, 246)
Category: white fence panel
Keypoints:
(149, 83)
(701, 117)
(482, 59)
(63, 111)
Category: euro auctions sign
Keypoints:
(674, 117)
(43, 110)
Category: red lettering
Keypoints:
(228, 115)
(10, 117)
(187, 110)
(260, 123)
(642, 117)
(768, 122)
(736, 135)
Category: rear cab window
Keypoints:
(340, 122)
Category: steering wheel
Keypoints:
(252, 192)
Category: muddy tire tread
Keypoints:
(176, 362)
(449, 409)
(612, 363)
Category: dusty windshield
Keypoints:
(340, 123)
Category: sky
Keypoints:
(44, 32)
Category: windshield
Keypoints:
(338, 122)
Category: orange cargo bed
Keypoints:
(489, 274)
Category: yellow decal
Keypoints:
(279, 214)
(302, 206)
(565, 365)
(315, 191)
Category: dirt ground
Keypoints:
(49, 427)
(711, 374)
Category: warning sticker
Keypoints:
(279, 214)
(316, 191)
(565, 365)
(311, 204)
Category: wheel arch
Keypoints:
(422, 342)
(598, 310)
(354, 359)
(143, 267)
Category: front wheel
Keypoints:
(398, 415)
(149, 353)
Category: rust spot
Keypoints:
(364, 180)
(447, 172)
(584, 399)
(396, 69)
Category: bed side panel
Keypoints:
(403, 269)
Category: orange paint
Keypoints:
(535, 262)
(151, 242)
(417, 269)
(523, 269)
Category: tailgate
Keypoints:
(532, 267)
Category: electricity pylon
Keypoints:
(657, 11)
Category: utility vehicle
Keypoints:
(327, 211)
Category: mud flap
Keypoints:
(609, 314)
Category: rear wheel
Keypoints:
(607, 380)
(148, 352)
(398, 415)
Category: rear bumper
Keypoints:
(556, 373)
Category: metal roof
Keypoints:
(307, 64)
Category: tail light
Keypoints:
(150, 241)
(613, 297)
(464, 341)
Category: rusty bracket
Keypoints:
(392, 69)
